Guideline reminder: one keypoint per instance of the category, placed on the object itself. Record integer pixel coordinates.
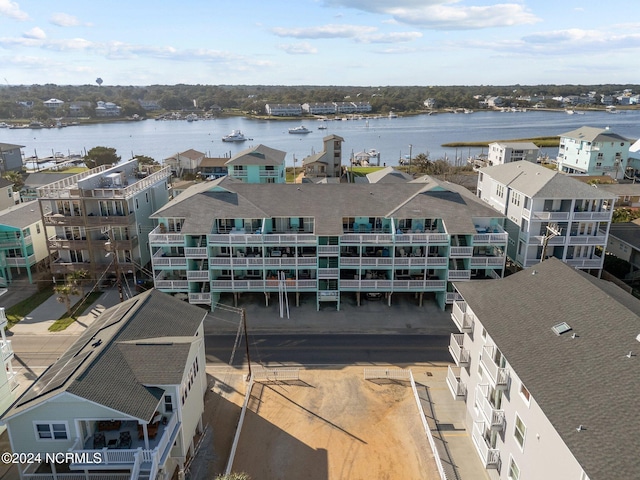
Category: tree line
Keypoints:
(251, 99)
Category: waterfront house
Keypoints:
(319, 108)
(260, 164)
(130, 389)
(185, 162)
(107, 109)
(548, 214)
(505, 152)
(53, 104)
(593, 151)
(213, 167)
(10, 157)
(324, 241)
(328, 162)
(546, 363)
(23, 241)
(99, 219)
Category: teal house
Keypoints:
(259, 164)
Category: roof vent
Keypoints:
(561, 328)
(630, 354)
(534, 272)
(580, 428)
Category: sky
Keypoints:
(319, 42)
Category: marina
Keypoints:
(391, 138)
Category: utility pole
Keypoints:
(552, 231)
(243, 314)
(410, 152)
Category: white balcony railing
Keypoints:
(202, 297)
(328, 249)
(421, 238)
(606, 215)
(499, 238)
(328, 272)
(553, 216)
(585, 262)
(490, 457)
(493, 417)
(462, 319)
(6, 349)
(180, 285)
(587, 240)
(452, 297)
(461, 252)
(370, 238)
(498, 375)
(198, 275)
(457, 350)
(171, 262)
(235, 238)
(157, 237)
(456, 387)
(487, 262)
(366, 261)
(453, 275)
(21, 261)
(195, 252)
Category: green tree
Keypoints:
(101, 156)
(65, 292)
(145, 160)
(16, 179)
(77, 279)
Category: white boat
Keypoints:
(300, 129)
(322, 127)
(392, 115)
(611, 109)
(4, 125)
(234, 136)
(568, 111)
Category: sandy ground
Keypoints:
(332, 424)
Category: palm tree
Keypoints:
(15, 178)
(77, 279)
(64, 294)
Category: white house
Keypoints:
(548, 214)
(283, 109)
(593, 151)
(505, 152)
(547, 365)
(53, 104)
(8, 378)
(125, 400)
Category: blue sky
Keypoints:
(319, 42)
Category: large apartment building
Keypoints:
(102, 210)
(546, 363)
(593, 151)
(549, 211)
(325, 240)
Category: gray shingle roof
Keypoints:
(133, 348)
(260, 155)
(585, 381)
(593, 134)
(628, 232)
(539, 182)
(21, 215)
(327, 204)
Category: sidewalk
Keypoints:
(39, 321)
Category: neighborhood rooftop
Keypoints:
(587, 380)
(537, 181)
(130, 346)
(328, 204)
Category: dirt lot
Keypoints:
(332, 424)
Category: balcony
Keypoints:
(585, 262)
(366, 285)
(246, 285)
(487, 262)
(461, 252)
(490, 457)
(234, 238)
(21, 261)
(160, 437)
(328, 273)
(366, 261)
(491, 236)
(601, 216)
(290, 239)
(493, 417)
(6, 350)
(457, 350)
(587, 240)
(456, 387)
(498, 375)
(456, 275)
(462, 319)
(159, 260)
(419, 285)
(200, 298)
(329, 250)
(159, 237)
(422, 238)
(198, 275)
(552, 216)
(367, 238)
(452, 297)
(195, 252)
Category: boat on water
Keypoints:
(610, 109)
(300, 129)
(322, 126)
(4, 125)
(234, 136)
(392, 115)
(568, 111)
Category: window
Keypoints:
(514, 471)
(500, 190)
(519, 431)
(37, 228)
(525, 393)
(51, 431)
(168, 403)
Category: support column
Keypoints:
(389, 298)
(235, 299)
(358, 299)
(297, 299)
(421, 296)
(266, 299)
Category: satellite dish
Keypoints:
(99, 81)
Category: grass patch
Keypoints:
(539, 141)
(362, 171)
(79, 309)
(20, 310)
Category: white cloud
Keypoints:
(12, 10)
(324, 31)
(396, 37)
(445, 14)
(64, 20)
(35, 32)
(302, 48)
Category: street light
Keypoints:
(410, 152)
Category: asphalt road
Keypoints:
(329, 349)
